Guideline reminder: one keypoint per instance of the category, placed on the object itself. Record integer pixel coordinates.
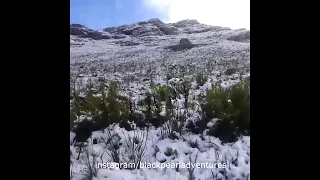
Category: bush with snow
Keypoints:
(232, 107)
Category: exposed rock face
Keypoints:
(164, 28)
(240, 37)
(183, 44)
(82, 31)
(118, 36)
(152, 27)
(185, 23)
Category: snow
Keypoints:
(72, 136)
(210, 150)
(210, 124)
(129, 65)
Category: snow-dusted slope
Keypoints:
(147, 44)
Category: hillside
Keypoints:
(153, 92)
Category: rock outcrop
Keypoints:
(240, 37)
(183, 44)
(82, 31)
(152, 27)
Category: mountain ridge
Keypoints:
(153, 43)
(144, 28)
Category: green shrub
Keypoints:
(104, 110)
(114, 108)
(232, 107)
(162, 93)
(230, 71)
(201, 79)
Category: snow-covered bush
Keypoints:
(231, 106)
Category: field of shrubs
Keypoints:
(173, 118)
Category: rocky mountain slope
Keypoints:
(147, 41)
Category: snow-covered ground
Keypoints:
(209, 150)
(132, 66)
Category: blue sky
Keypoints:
(99, 14)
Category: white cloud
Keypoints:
(227, 13)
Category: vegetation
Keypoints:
(229, 107)
(103, 110)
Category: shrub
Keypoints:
(168, 130)
(113, 108)
(90, 171)
(193, 144)
(112, 145)
(201, 79)
(162, 93)
(154, 104)
(134, 147)
(103, 110)
(191, 175)
(170, 152)
(231, 71)
(232, 107)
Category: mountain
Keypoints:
(148, 41)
